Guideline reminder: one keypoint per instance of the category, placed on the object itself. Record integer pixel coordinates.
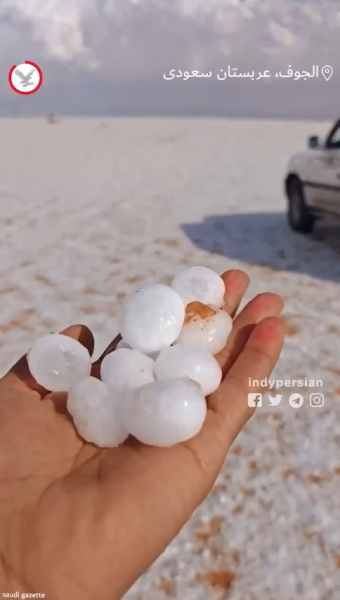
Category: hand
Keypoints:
(84, 523)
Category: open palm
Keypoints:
(83, 523)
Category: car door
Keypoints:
(324, 173)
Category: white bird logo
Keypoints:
(275, 400)
(25, 79)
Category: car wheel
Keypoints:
(299, 218)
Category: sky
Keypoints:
(108, 57)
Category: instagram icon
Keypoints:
(317, 400)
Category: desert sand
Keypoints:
(89, 210)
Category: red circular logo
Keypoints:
(25, 78)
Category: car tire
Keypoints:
(299, 218)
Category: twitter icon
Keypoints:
(275, 400)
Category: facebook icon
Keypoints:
(255, 400)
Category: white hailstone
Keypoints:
(152, 319)
(205, 328)
(127, 368)
(166, 412)
(57, 362)
(199, 365)
(97, 412)
(201, 284)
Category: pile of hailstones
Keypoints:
(154, 385)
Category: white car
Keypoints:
(313, 182)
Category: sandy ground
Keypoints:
(89, 210)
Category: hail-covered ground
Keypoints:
(92, 209)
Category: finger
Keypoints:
(256, 362)
(262, 306)
(20, 376)
(236, 283)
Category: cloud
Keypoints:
(135, 41)
(57, 23)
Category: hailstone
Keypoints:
(205, 328)
(57, 362)
(201, 284)
(165, 413)
(199, 365)
(97, 412)
(127, 368)
(152, 319)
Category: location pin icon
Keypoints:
(327, 72)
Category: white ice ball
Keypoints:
(127, 368)
(97, 412)
(57, 362)
(205, 328)
(166, 412)
(199, 365)
(202, 284)
(152, 319)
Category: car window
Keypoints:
(334, 140)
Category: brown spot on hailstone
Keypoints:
(196, 310)
(237, 450)
(336, 470)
